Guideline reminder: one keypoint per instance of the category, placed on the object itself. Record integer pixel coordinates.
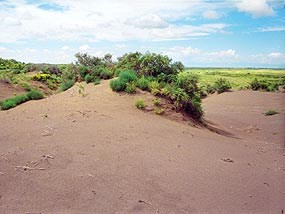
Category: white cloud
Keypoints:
(94, 20)
(120, 46)
(272, 29)
(190, 56)
(65, 47)
(3, 49)
(257, 8)
(39, 56)
(211, 14)
(276, 59)
(223, 53)
(84, 48)
(276, 55)
(148, 21)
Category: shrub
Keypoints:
(14, 101)
(263, 85)
(88, 78)
(96, 81)
(142, 83)
(51, 85)
(117, 85)
(41, 77)
(272, 87)
(130, 88)
(125, 77)
(188, 82)
(222, 85)
(149, 64)
(194, 108)
(26, 86)
(154, 87)
(105, 74)
(210, 89)
(7, 104)
(35, 95)
(255, 84)
(270, 113)
(167, 78)
(156, 102)
(51, 81)
(87, 60)
(83, 71)
(282, 82)
(128, 76)
(191, 104)
(140, 104)
(66, 84)
(70, 72)
(159, 111)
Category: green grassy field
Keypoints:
(239, 78)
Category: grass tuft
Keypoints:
(271, 112)
(140, 104)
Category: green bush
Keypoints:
(189, 103)
(51, 85)
(255, 85)
(154, 87)
(188, 82)
(263, 85)
(14, 101)
(105, 74)
(156, 102)
(41, 77)
(222, 85)
(96, 81)
(66, 84)
(282, 83)
(118, 71)
(125, 77)
(272, 87)
(140, 104)
(26, 86)
(117, 85)
(128, 76)
(35, 95)
(159, 111)
(167, 78)
(130, 88)
(83, 71)
(7, 104)
(194, 108)
(142, 83)
(88, 78)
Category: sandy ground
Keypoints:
(99, 154)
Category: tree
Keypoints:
(87, 60)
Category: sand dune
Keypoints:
(99, 154)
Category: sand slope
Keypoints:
(99, 154)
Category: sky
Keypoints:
(199, 33)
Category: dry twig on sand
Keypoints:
(25, 168)
(227, 160)
(5, 158)
(47, 156)
(142, 201)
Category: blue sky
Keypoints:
(233, 33)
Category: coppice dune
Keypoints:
(98, 153)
